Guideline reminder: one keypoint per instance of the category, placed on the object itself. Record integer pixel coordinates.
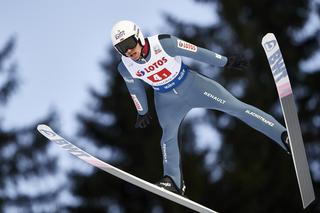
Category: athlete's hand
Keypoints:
(143, 120)
(237, 62)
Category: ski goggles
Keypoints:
(125, 45)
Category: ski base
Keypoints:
(74, 150)
(298, 151)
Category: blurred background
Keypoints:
(57, 66)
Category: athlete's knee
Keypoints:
(168, 139)
(169, 130)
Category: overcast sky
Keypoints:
(60, 44)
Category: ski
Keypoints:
(76, 151)
(281, 78)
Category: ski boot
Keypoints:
(285, 141)
(167, 183)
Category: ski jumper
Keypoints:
(177, 90)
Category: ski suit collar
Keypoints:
(145, 49)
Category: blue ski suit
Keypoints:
(175, 97)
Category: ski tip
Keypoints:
(47, 131)
(267, 36)
(42, 127)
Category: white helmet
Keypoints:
(125, 34)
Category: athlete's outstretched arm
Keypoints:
(136, 89)
(177, 47)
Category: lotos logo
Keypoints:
(156, 65)
(119, 34)
(140, 73)
(186, 46)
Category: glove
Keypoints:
(143, 120)
(237, 62)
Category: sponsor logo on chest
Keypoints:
(155, 71)
(157, 49)
(152, 67)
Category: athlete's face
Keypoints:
(135, 52)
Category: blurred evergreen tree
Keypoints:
(23, 152)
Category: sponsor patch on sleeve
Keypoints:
(186, 46)
(137, 103)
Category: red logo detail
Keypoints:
(187, 46)
(159, 76)
(140, 73)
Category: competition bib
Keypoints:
(161, 71)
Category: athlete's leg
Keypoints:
(208, 93)
(171, 109)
